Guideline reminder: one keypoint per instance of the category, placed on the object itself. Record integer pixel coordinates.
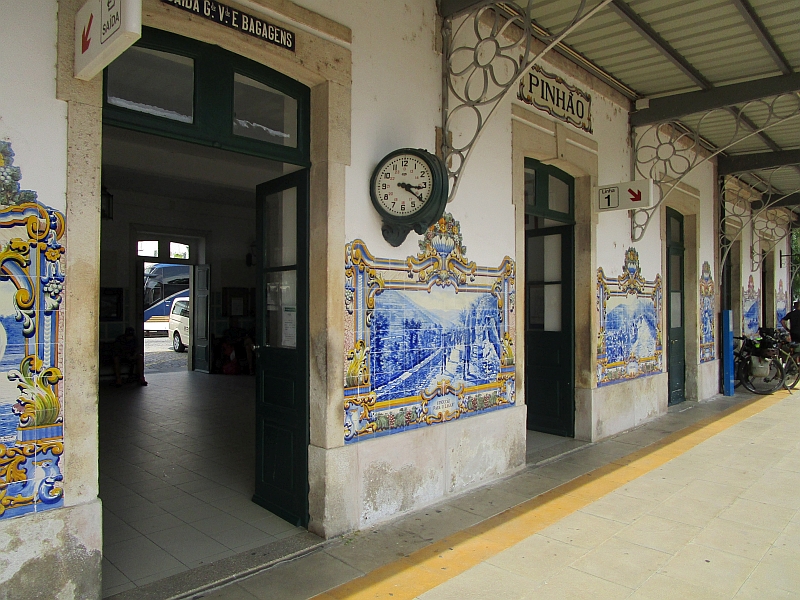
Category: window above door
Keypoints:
(549, 196)
(181, 88)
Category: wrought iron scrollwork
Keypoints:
(485, 53)
(667, 152)
(744, 207)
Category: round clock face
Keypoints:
(403, 185)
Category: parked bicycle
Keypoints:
(757, 365)
(790, 357)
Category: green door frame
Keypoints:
(212, 125)
(549, 354)
(282, 397)
(676, 307)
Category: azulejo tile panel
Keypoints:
(751, 308)
(429, 339)
(781, 301)
(629, 341)
(31, 347)
(707, 314)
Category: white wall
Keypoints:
(30, 116)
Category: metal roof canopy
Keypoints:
(683, 58)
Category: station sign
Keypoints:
(104, 29)
(551, 94)
(238, 20)
(625, 196)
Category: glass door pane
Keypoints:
(280, 229)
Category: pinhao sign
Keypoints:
(238, 20)
(556, 97)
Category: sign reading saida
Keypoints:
(238, 20)
(556, 97)
(104, 29)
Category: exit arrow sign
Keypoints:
(625, 196)
(104, 29)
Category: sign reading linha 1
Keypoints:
(556, 97)
(104, 29)
(626, 196)
(238, 20)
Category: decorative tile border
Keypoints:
(428, 339)
(31, 347)
(707, 314)
(751, 308)
(629, 340)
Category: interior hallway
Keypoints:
(176, 477)
(702, 503)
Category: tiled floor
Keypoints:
(176, 477)
(719, 519)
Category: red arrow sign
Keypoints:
(85, 39)
(635, 196)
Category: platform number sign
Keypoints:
(631, 195)
(609, 198)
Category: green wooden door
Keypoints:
(282, 348)
(676, 335)
(550, 300)
(549, 349)
(200, 286)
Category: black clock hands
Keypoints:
(410, 189)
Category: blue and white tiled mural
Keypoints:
(707, 314)
(751, 308)
(781, 301)
(31, 347)
(629, 343)
(429, 339)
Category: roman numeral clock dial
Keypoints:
(408, 188)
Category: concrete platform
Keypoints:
(702, 503)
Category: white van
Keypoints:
(179, 324)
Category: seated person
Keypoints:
(126, 349)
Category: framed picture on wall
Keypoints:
(110, 304)
(236, 302)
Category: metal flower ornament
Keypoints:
(667, 152)
(486, 51)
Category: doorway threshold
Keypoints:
(213, 575)
(542, 448)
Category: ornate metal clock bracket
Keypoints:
(667, 152)
(485, 52)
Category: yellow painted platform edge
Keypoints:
(428, 567)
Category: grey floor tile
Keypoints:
(244, 535)
(187, 544)
(113, 577)
(116, 530)
(139, 558)
(156, 523)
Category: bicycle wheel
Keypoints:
(738, 362)
(791, 371)
(763, 384)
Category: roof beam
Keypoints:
(785, 200)
(755, 23)
(449, 8)
(674, 107)
(744, 163)
(645, 30)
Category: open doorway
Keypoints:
(166, 300)
(178, 457)
(205, 148)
